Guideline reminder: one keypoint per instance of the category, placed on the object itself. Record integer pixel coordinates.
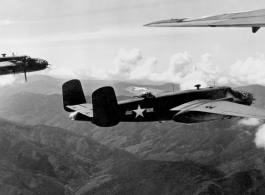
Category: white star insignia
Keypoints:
(139, 111)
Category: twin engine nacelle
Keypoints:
(199, 117)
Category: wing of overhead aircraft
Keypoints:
(7, 64)
(254, 19)
(220, 107)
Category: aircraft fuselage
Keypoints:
(158, 107)
(20, 64)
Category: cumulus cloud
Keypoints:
(252, 71)
(128, 66)
(7, 80)
(260, 137)
(181, 69)
(126, 61)
(184, 71)
(180, 63)
(260, 133)
(97, 72)
(250, 122)
(143, 71)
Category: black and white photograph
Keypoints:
(130, 97)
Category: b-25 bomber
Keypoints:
(21, 64)
(189, 106)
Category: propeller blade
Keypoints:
(25, 73)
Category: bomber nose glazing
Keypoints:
(41, 62)
(244, 96)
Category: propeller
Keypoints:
(25, 73)
(25, 70)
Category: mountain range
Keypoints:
(41, 146)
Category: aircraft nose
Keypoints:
(250, 98)
(46, 63)
(41, 63)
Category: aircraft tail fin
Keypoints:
(105, 107)
(72, 94)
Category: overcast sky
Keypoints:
(106, 39)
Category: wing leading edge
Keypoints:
(254, 19)
(221, 107)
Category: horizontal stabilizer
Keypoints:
(85, 109)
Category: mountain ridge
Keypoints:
(47, 160)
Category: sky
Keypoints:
(106, 40)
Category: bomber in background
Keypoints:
(21, 64)
(190, 106)
(254, 19)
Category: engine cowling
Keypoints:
(198, 117)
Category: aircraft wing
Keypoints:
(7, 64)
(254, 19)
(221, 107)
(85, 109)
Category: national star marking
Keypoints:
(139, 111)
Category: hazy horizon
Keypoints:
(107, 40)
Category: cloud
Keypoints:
(61, 72)
(127, 66)
(260, 133)
(184, 71)
(7, 79)
(180, 63)
(125, 62)
(260, 137)
(143, 71)
(181, 69)
(250, 122)
(252, 71)
(97, 73)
